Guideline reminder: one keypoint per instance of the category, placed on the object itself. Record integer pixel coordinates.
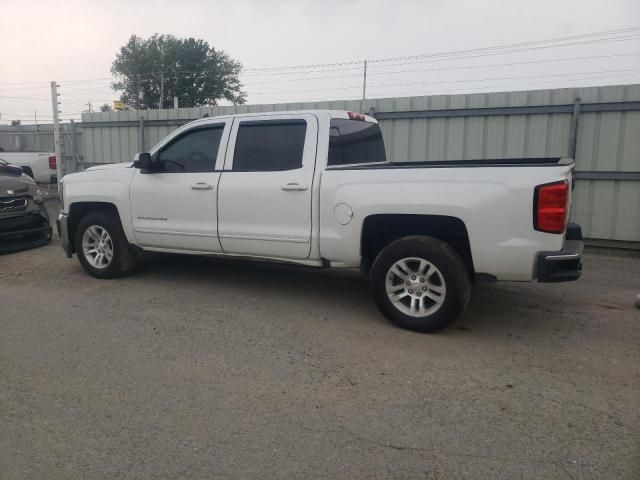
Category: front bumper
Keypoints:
(22, 232)
(564, 265)
(62, 223)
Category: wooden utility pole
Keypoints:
(364, 85)
(35, 120)
(138, 92)
(161, 105)
(56, 131)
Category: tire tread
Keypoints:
(125, 257)
(450, 264)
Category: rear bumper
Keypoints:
(62, 223)
(564, 265)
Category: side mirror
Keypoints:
(143, 161)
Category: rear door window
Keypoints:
(267, 146)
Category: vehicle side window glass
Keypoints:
(193, 152)
(266, 146)
(353, 141)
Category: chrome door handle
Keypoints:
(294, 187)
(201, 186)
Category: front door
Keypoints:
(175, 207)
(264, 200)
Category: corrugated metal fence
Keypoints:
(600, 124)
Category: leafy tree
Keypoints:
(106, 108)
(193, 71)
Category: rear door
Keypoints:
(264, 198)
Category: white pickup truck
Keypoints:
(315, 188)
(41, 166)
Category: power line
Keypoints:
(88, 88)
(23, 98)
(505, 52)
(588, 38)
(463, 90)
(459, 52)
(468, 90)
(505, 78)
(507, 64)
(466, 67)
(491, 89)
(444, 81)
(536, 43)
(435, 57)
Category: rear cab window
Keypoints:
(352, 142)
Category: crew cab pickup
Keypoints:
(315, 188)
(41, 166)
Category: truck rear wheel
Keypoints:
(420, 283)
(101, 246)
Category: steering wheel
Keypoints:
(179, 165)
(198, 157)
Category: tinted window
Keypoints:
(193, 152)
(353, 141)
(269, 146)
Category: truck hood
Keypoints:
(22, 185)
(109, 166)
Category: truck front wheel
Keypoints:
(102, 248)
(420, 283)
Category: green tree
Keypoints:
(106, 108)
(192, 70)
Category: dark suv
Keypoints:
(24, 221)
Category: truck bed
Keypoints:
(494, 199)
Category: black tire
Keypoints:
(450, 268)
(124, 256)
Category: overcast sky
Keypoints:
(71, 40)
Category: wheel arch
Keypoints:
(78, 210)
(28, 171)
(380, 230)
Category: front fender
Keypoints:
(101, 186)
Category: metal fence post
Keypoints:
(573, 138)
(56, 131)
(141, 134)
(18, 141)
(73, 164)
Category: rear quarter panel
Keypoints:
(495, 204)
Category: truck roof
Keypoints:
(345, 114)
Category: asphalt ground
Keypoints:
(197, 368)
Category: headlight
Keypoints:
(37, 197)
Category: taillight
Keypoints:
(550, 203)
(52, 162)
(356, 116)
